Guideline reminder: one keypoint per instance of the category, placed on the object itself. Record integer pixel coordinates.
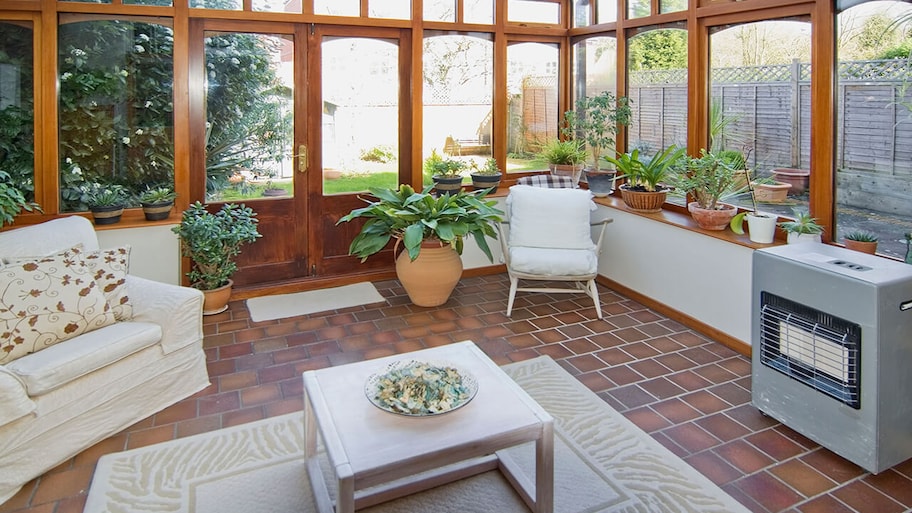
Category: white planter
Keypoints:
(801, 238)
(761, 228)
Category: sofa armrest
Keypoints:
(178, 310)
(13, 398)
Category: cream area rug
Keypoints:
(603, 463)
(279, 306)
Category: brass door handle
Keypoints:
(302, 158)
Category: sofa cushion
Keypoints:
(44, 302)
(55, 366)
(109, 268)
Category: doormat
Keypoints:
(267, 308)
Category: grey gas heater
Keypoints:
(831, 339)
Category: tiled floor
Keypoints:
(688, 392)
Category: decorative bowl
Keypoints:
(420, 389)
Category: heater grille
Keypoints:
(813, 347)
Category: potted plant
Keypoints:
(445, 172)
(644, 190)
(487, 176)
(761, 225)
(564, 157)
(106, 202)
(157, 202)
(595, 121)
(431, 231)
(768, 190)
(707, 179)
(861, 240)
(12, 201)
(803, 228)
(212, 242)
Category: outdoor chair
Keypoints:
(547, 237)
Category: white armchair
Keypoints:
(547, 237)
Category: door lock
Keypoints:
(302, 158)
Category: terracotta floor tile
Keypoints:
(691, 394)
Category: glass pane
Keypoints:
(227, 5)
(607, 11)
(657, 84)
(276, 5)
(532, 111)
(17, 106)
(115, 108)
(458, 86)
(395, 9)
(360, 114)
(338, 7)
(581, 13)
(595, 71)
(638, 8)
(672, 5)
(249, 116)
(440, 10)
(874, 127)
(478, 11)
(533, 11)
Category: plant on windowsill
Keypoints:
(803, 228)
(12, 201)
(645, 190)
(157, 202)
(445, 172)
(564, 157)
(761, 225)
(707, 179)
(487, 176)
(212, 242)
(106, 202)
(861, 240)
(432, 232)
(595, 121)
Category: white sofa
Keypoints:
(62, 399)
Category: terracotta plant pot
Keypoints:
(574, 172)
(862, 246)
(643, 201)
(798, 178)
(216, 300)
(430, 279)
(771, 193)
(716, 220)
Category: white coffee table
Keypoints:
(369, 448)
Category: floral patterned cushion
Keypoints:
(109, 268)
(46, 301)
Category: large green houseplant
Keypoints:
(426, 226)
(213, 241)
(707, 179)
(595, 120)
(645, 190)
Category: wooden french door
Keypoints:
(337, 107)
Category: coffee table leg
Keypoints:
(544, 469)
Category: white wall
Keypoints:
(155, 254)
(698, 275)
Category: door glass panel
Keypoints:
(594, 72)
(360, 114)
(17, 106)
(395, 9)
(759, 113)
(115, 108)
(249, 116)
(657, 87)
(533, 11)
(458, 87)
(338, 7)
(874, 125)
(532, 110)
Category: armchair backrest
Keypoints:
(47, 238)
(549, 218)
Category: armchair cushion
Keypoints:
(554, 262)
(13, 398)
(549, 218)
(46, 301)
